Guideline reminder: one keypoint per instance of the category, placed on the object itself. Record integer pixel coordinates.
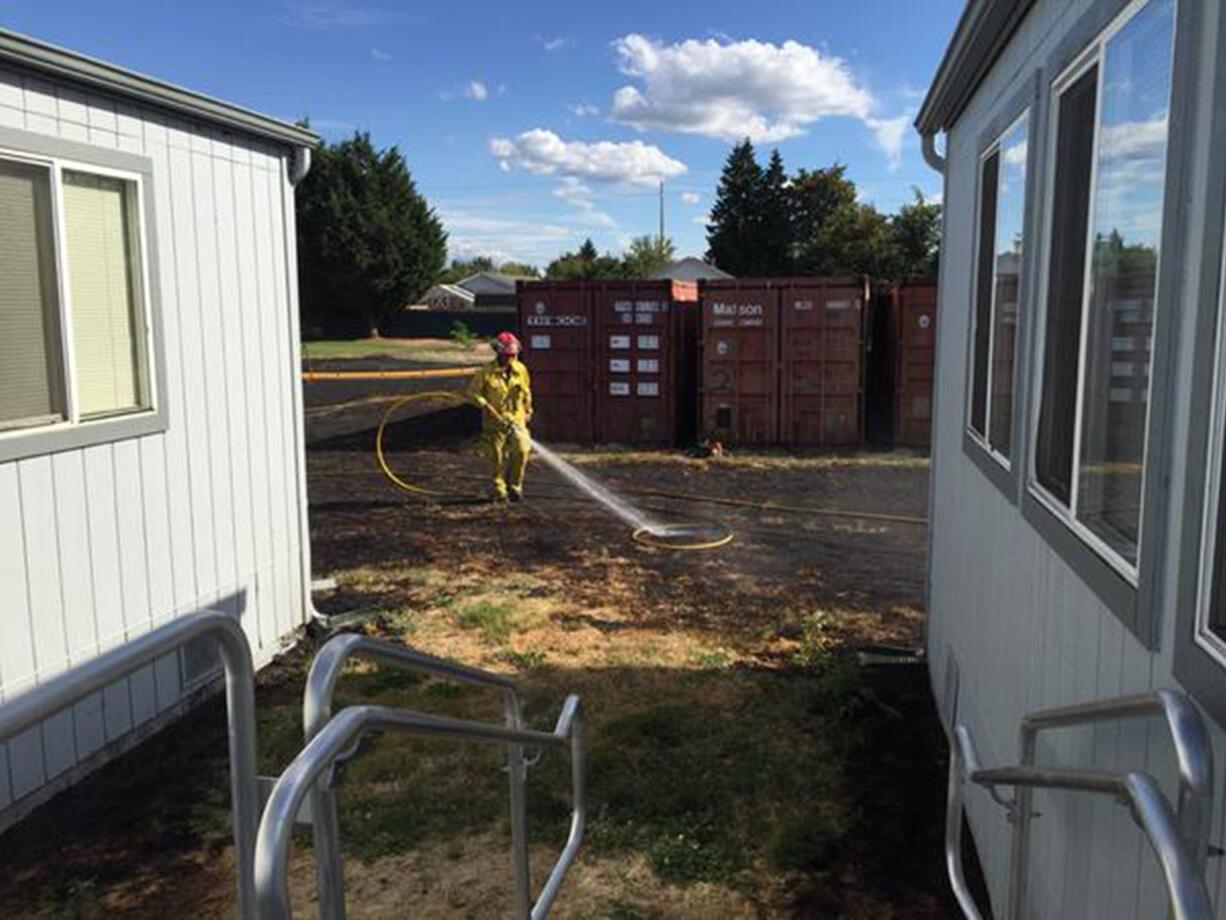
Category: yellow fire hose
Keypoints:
(658, 537)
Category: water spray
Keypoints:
(645, 529)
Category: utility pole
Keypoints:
(661, 214)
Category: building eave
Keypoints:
(983, 30)
(31, 54)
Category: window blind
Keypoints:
(30, 392)
(107, 328)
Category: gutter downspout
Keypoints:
(296, 169)
(937, 162)
(928, 144)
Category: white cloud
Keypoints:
(554, 44)
(503, 240)
(690, 198)
(730, 90)
(625, 162)
(583, 110)
(476, 90)
(889, 134)
(380, 55)
(580, 197)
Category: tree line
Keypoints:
(767, 223)
(369, 243)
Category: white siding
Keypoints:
(1026, 632)
(115, 539)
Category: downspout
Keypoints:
(300, 164)
(296, 169)
(937, 162)
(928, 143)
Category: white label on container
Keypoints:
(619, 365)
(647, 388)
(649, 366)
(619, 341)
(802, 305)
(623, 306)
(539, 341)
(644, 319)
(838, 304)
(647, 306)
(649, 342)
(925, 321)
(617, 388)
(573, 320)
(722, 347)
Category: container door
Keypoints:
(822, 363)
(916, 351)
(557, 329)
(635, 399)
(740, 372)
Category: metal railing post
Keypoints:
(317, 710)
(340, 734)
(62, 691)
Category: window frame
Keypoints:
(1196, 666)
(984, 441)
(1135, 600)
(74, 432)
(1026, 102)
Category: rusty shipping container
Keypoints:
(555, 318)
(645, 361)
(739, 373)
(821, 361)
(913, 323)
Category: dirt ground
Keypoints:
(760, 744)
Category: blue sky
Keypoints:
(530, 126)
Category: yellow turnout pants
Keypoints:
(508, 453)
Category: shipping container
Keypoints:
(645, 361)
(557, 333)
(914, 309)
(821, 361)
(739, 376)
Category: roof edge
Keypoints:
(982, 32)
(25, 51)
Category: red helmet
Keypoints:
(506, 344)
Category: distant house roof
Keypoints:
(448, 290)
(688, 269)
(489, 283)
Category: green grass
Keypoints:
(469, 351)
(494, 620)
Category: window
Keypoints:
(1002, 186)
(74, 343)
(1109, 155)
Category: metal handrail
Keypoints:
(1192, 749)
(321, 684)
(1185, 881)
(91, 676)
(339, 735)
(1179, 841)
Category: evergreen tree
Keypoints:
(586, 263)
(368, 243)
(734, 235)
(777, 239)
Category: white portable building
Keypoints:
(151, 448)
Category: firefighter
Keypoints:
(503, 392)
